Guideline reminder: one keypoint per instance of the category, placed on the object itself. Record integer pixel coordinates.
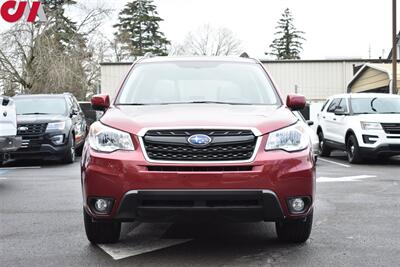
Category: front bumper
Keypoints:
(382, 150)
(182, 205)
(267, 182)
(383, 144)
(10, 143)
(44, 152)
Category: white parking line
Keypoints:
(138, 243)
(21, 168)
(3, 178)
(334, 162)
(344, 179)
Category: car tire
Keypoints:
(70, 154)
(324, 150)
(294, 231)
(101, 232)
(353, 150)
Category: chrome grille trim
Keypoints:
(256, 133)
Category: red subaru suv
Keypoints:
(204, 138)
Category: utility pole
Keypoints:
(394, 49)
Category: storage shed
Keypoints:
(373, 78)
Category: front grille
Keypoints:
(226, 145)
(188, 133)
(31, 129)
(199, 169)
(391, 128)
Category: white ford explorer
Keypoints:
(365, 125)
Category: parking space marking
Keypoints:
(334, 162)
(138, 243)
(357, 178)
(20, 168)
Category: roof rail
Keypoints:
(245, 55)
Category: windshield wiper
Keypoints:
(133, 104)
(372, 104)
(35, 113)
(206, 102)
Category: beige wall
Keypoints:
(370, 79)
(112, 76)
(315, 80)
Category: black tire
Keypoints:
(294, 231)
(101, 232)
(324, 150)
(353, 150)
(70, 154)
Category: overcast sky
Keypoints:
(334, 29)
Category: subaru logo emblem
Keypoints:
(199, 140)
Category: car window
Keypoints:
(326, 102)
(183, 82)
(334, 104)
(36, 105)
(376, 105)
(343, 105)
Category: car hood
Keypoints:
(134, 119)
(383, 118)
(39, 118)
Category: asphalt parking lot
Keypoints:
(356, 224)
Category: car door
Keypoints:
(339, 121)
(330, 120)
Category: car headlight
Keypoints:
(60, 125)
(371, 125)
(106, 139)
(290, 139)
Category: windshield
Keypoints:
(375, 105)
(37, 106)
(198, 82)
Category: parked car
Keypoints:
(311, 133)
(8, 128)
(364, 125)
(52, 127)
(91, 115)
(202, 138)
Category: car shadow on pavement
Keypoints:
(32, 163)
(341, 157)
(242, 243)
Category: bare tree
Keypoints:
(33, 59)
(208, 41)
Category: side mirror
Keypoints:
(100, 102)
(74, 112)
(295, 102)
(310, 123)
(340, 112)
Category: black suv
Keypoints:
(52, 127)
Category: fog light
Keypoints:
(102, 205)
(296, 205)
(57, 139)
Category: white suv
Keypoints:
(364, 125)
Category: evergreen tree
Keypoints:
(288, 43)
(139, 31)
